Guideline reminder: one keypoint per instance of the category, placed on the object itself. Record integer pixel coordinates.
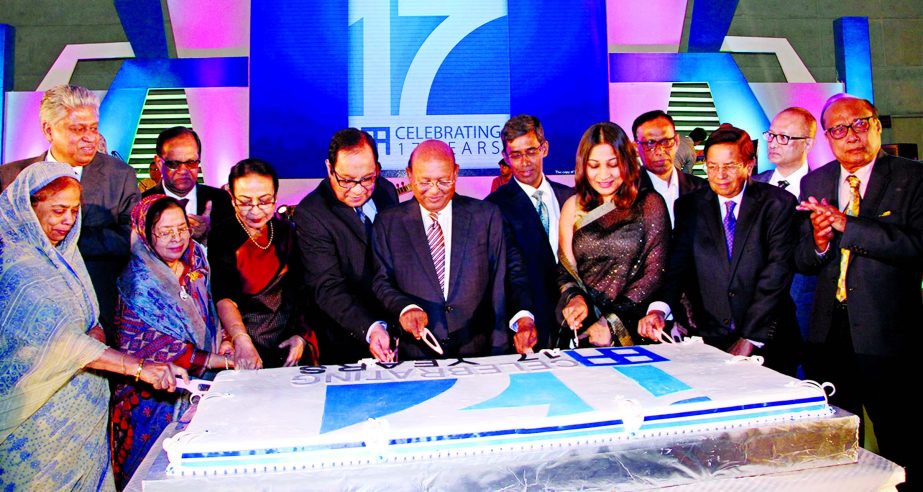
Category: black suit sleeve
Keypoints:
(775, 279)
(807, 260)
(113, 238)
(681, 269)
(383, 284)
(517, 280)
(322, 275)
(898, 242)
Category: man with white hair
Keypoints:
(70, 122)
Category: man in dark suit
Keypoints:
(334, 235)
(531, 206)
(70, 118)
(864, 240)
(442, 265)
(179, 156)
(731, 255)
(788, 141)
(657, 142)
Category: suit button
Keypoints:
(731, 293)
(726, 321)
(449, 309)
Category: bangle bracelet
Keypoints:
(241, 334)
(226, 364)
(140, 366)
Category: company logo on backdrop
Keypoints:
(420, 69)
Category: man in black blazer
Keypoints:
(657, 142)
(731, 255)
(70, 119)
(442, 265)
(179, 156)
(336, 250)
(531, 206)
(866, 318)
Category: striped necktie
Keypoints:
(852, 210)
(541, 209)
(437, 248)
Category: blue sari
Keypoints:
(52, 411)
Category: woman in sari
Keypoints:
(165, 313)
(613, 242)
(52, 409)
(257, 279)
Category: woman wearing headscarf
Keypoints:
(52, 409)
(165, 313)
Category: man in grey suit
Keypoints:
(70, 121)
(864, 240)
(442, 265)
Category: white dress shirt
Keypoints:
(551, 203)
(864, 173)
(78, 170)
(794, 179)
(193, 203)
(669, 190)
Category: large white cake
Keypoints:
(327, 417)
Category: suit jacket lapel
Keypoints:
(461, 223)
(413, 228)
(523, 206)
(749, 210)
(874, 191)
(561, 192)
(715, 228)
(346, 214)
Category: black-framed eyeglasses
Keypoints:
(531, 152)
(191, 164)
(265, 204)
(666, 143)
(348, 184)
(782, 139)
(858, 125)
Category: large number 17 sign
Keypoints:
(420, 69)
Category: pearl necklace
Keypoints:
(253, 236)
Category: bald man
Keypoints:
(442, 265)
(788, 141)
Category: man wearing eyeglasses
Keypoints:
(731, 255)
(442, 266)
(69, 117)
(531, 206)
(333, 227)
(179, 157)
(864, 240)
(656, 139)
(789, 140)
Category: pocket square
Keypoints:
(885, 214)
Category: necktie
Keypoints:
(783, 184)
(365, 221)
(437, 248)
(541, 209)
(852, 210)
(183, 202)
(730, 225)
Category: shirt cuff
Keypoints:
(514, 321)
(755, 344)
(661, 306)
(408, 308)
(374, 326)
(824, 252)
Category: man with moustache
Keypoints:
(789, 140)
(531, 206)
(333, 226)
(657, 141)
(70, 122)
(864, 241)
(442, 266)
(178, 158)
(731, 255)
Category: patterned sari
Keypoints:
(164, 319)
(52, 410)
(621, 260)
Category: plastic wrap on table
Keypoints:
(674, 460)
